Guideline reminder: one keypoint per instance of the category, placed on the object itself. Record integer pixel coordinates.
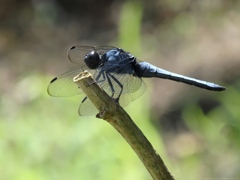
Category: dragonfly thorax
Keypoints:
(92, 60)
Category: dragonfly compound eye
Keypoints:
(92, 60)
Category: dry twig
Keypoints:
(110, 111)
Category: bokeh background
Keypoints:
(197, 132)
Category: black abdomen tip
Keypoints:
(219, 88)
(223, 88)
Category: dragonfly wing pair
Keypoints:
(116, 77)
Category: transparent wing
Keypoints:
(103, 49)
(87, 108)
(132, 86)
(63, 85)
(76, 54)
(134, 89)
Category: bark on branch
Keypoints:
(110, 111)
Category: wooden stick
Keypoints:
(110, 111)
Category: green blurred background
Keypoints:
(197, 132)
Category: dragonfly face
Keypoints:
(92, 60)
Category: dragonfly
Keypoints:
(117, 72)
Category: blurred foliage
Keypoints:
(44, 138)
(218, 131)
(130, 26)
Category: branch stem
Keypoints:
(110, 111)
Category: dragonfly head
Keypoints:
(92, 60)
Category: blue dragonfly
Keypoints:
(117, 72)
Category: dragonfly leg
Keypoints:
(119, 84)
(104, 77)
(108, 73)
(101, 73)
(110, 83)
